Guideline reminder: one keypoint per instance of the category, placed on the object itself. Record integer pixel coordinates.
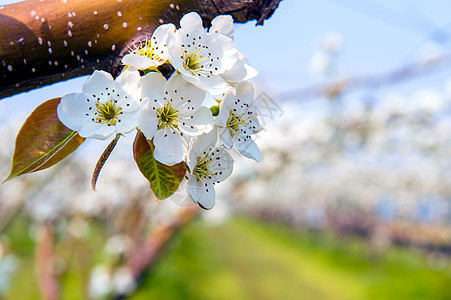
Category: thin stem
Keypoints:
(103, 158)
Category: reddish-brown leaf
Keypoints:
(42, 141)
(164, 180)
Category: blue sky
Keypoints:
(378, 36)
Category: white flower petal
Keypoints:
(191, 159)
(170, 147)
(175, 52)
(96, 131)
(191, 22)
(245, 92)
(129, 81)
(185, 96)
(222, 24)
(203, 143)
(127, 122)
(147, 119)
(161, 32)
(201, 122)
(249, 149)
(159, 41)
(153, 85)
(97, 82)
(250, 72)
(221, 165)
(137, 61)
(226, 138)
(215, 85)
(227, 104)
(237, 73)
(254, 123)
(241, 71)
(225, 46)
(72, 110)
(180, 196)
(126, 102)
(201, 193)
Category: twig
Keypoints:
(102, 160)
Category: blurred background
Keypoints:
(351, 201)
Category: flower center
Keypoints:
(235, 121)
(201, 168)
(108, 112)
(167, 116)
(145, 50)
(193, 62)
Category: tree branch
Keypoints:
(44, 42)
(146, 254)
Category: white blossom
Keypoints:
(104, 107)
(208, 165)
(222, 24)
(201, 57)
(237, 121)
(150, 53)
(170, 110)
(241, 70)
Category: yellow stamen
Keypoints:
(192, 62)
(108, 112)
(167, 117)
(235, 121)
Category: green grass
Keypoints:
(248, 259)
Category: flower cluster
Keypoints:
(169, 112)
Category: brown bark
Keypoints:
(43, 42)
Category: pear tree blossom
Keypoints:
(237, 121)
(241, 69)
(176, 147)
(200, 56)
(150, 53)
(208, 165)
(170, 110)
(176, 150)
(104, 107)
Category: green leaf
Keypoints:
(42, 141)
(164, 180)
